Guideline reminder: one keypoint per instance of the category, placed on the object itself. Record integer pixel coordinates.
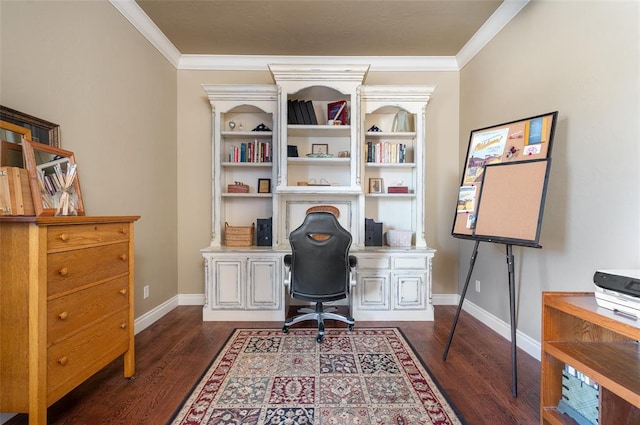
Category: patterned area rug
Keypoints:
(363, 377)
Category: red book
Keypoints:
(397, 189)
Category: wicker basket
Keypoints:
(238, 235)
(399, 237)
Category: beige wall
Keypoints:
(582, 59)
(194, 168)
(83, 66)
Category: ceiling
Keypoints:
(319, 28)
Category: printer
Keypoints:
(619, 290)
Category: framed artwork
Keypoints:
(375, 185)
(264, 185)
(53, 179)
(320, 148)
(42, 131)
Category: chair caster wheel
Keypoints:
(319, 338)
(350, 328)
(285, 329)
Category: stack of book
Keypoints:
(251, 152)
(398, 189)
(386, 152)
(301, 112)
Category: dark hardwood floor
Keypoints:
(173, 353)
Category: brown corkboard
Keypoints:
(526, 140)
(511, 201)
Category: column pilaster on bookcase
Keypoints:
(250, 105)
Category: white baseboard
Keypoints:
(523, 341)
(445, 299)
(152, 316)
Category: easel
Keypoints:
(512, 308)
(501, 198)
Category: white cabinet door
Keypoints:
(265, 284)
(372, 290)
(227, 280)
(409, 289)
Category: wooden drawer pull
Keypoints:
(63, 237)
(63, 316)
(123, 230)
(123, 325)
(123, 257)
(63, 361)
(123, 291)
(63, 271)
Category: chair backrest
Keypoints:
(320, 265)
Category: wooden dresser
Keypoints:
(66, 306)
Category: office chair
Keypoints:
(320, 269)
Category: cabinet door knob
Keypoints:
(63, 237)
(123, 325)
(63, 316)
(123, 291)
(123, 257)
(63, 361)
(63, 271)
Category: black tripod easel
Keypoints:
(512, 306)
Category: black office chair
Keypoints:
(320, 269)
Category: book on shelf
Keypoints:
(291, 113)
(255, 151)
(297, 109)
(385, 152)
(398, 189)
(312, 113)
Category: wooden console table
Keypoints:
(66, 306)
(597, 342)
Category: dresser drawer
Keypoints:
(78, 357)
(70, 313)
(62, 237)
(70, 269)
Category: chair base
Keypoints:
(319, 314)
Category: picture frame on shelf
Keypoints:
(337, 111)
(320, 148)
(43, 161)
(264, 185)
(42, 131)
(376, 185)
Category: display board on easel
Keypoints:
(501, 198)
(503, 186)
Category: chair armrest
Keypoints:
(287, 260)
(353, 261)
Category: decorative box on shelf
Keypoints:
(238, 235)
(398, 189)
(238, 187)
(15, 193)
(399, 237)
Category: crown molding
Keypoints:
(134, 14)
(501, 17)
(261, 63)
